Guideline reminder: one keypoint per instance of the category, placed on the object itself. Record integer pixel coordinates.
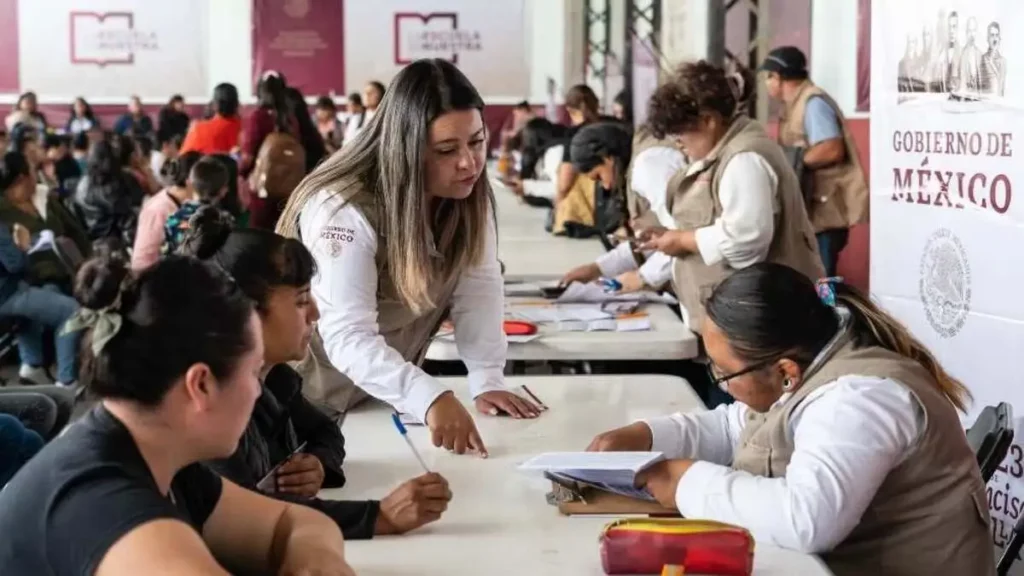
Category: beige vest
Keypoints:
(839, 198)
(693, 202)
(402, 330)
(930, 515)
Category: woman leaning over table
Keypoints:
(844, 442)
(122, 491)
(738, 203)
(401, 223)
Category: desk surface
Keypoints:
(527, 250)
(668, 339)
(498, 522)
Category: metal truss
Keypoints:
(597, 26)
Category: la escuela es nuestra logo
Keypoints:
(432, 35)
(108, 38)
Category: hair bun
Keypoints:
(99, 281)
(208, 230)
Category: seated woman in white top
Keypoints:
(401, 224)
(844, 440)
(649, 175)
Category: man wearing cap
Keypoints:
(837, 194)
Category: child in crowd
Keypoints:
(167, 146)
(209, 182)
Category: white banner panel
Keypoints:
(947, 178)
(113, 48)
(485, 40)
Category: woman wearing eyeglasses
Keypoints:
(844, 440)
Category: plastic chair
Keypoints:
(990, 437)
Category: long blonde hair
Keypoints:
(386, 162)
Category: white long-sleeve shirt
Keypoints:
(548, 168)
(847, 434)
(742, 234)
(651, 171)
(345, 289)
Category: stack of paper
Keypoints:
(593, 292)
(612, 471)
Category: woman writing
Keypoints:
(602, 152)
(125, 483)
(738, 203)
(401, 223)
(844, 442)
(275, 272)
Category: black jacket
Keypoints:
(282, 420)
(110, 210)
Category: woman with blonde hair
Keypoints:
(401, 224)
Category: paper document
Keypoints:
(44, 241)
(594, 292)
(543, 313)
(613, 468)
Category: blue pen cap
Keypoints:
(398, 423)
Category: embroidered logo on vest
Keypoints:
(945, 283)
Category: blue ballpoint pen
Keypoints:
(405, 434)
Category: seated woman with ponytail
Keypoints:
(275, 272)
(174, 355)
(150, 236)
(844, 440)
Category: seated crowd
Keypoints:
(215, 305)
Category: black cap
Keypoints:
(786, 61)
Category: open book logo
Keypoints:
(103, 38)
(433, 35)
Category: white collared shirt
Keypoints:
(749, 194)
(847, 436)
(345, 288)
(651, 171)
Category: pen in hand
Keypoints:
(405, 435)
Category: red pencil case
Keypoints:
(519, 328)
(646, 545)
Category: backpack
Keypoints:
(280, 166)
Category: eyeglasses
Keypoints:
(718, 379)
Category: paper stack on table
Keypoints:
(581, 317)
(593, 292)
(613, 472)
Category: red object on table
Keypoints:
(519, 328)
(646, 545)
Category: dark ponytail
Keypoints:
(176, 171)
(258, 260)
(770, 311)
(272, 94)
(174, 314)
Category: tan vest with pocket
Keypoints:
(693, 203)
(930, 515)
(402, 330)
(839, 199)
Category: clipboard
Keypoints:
(582, 499)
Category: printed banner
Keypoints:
(484, 39)
(113, 48)
(301, 39)
(947, 127)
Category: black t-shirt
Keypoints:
(64, 510)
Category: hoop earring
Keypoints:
(787, 385)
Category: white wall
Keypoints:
(834, 51)
(553, 47)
